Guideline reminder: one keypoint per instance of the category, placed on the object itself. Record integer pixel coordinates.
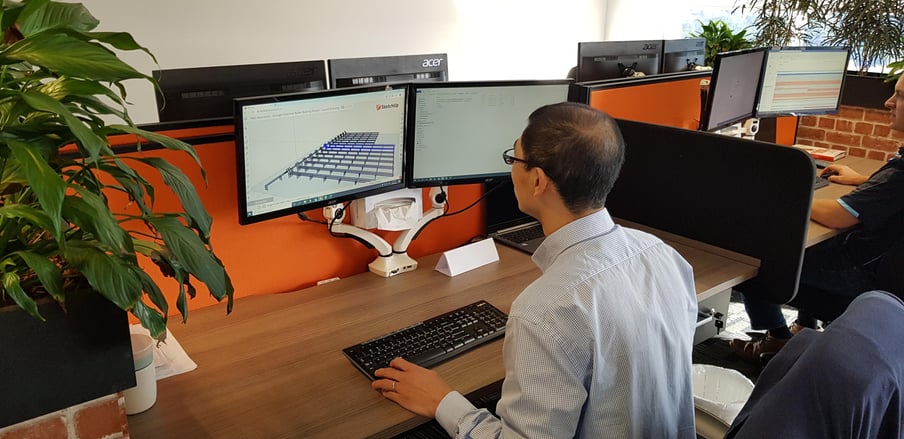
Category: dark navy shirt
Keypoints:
(879, 205)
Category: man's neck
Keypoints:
(555, 220)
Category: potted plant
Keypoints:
(720, 38)
(61, 96)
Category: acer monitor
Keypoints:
(733, 88)
(350, 72)
(296, 152)
(458, 130)
(207, 92)
(617, 59)
(802, 80)
(683, 55)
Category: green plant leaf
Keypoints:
(90, 213)
(154, 293)
(185, 190)
(109, 275)
(93, 143)
(46, 183)
(39, 16)
(12, 287)
(121, 41)
(27, 213)
(132, 183)
(68, 56)
(48, 273)
(190, 252)
(167, 142)
(151, 320)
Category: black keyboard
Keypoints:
(432, 341)
(523, 235)
(819, 182)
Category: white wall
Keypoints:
(485, 39)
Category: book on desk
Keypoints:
(824, 154)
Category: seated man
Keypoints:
(599, 345)
(845, 382)
(845, 265)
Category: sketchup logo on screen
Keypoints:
(385, 106)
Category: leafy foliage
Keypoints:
(720, 38)
(59, 82)
(873, 29)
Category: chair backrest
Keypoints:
(847, 381)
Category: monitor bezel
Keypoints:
(229, 78)
(390, 63)
(670, 47)
(611, 48)
(468, 179)
(808, 112)
(705, 123)
(239, 104)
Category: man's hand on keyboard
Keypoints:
(842, 174)
(415, 388)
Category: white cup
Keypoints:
(144, 394)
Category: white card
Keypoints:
(468, 257)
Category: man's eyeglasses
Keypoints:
(510, 159)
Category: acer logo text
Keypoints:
(434, 62)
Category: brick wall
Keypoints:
(861, 132)
(102, 418)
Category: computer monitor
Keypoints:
(301, 151)
(458, 130)
(802, 80)
(350, 72)
(733, 88)
(683, 55)
(207, 92)
(617, 59)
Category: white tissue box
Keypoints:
(397, 210)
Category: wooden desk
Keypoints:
(274, 368)
(816, 232)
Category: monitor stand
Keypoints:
(391, 260)
(745, 130)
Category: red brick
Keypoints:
(876, 155)
(882, 117)
(881, 130)
(845, 126)
(811, 133)
(843, 138)
(854, 113)
(99, 418)
(808, 121)
(861, 128)
(897, 134)
(827, 123)
(47, 428)
(880, 144)
(822, 144)
(857, 152)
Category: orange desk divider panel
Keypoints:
(283, 254)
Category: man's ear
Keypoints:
(541, 181)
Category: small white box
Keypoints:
(362, 210)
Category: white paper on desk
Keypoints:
(169, 357)
(468, 257)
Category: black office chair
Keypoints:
(847, 381)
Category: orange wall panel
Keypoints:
(670, 103)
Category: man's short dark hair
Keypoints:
(581, 150)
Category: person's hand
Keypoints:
(413, 387)
(842, 174)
